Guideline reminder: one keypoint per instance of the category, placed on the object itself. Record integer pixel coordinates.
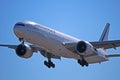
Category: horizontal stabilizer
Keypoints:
(106, 44)
(112, 55)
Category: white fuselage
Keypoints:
(51, 40)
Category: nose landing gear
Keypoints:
(21, 40)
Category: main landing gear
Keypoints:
(83, 62)
(49, 63)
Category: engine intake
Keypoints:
(85, 48)
(24, 51)
(81, 46)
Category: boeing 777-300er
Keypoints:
(54, 44)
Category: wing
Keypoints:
(106, 44)
(9, 46)
(34, 49)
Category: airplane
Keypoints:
(53, 44)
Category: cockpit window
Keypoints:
(20, 24)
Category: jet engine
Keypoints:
(85, 48)
(24, 51)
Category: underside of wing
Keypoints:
(9, 46)
(49, 55)
(106, 44)
(45, 52)
(34, 49)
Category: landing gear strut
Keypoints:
(48, 55)
(21, 40)
(83, 62)
(49, 64)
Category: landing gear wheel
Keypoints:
(83, 62)
(80, 62)
(46, 63)
(86, 64)
(53, 65)
(49, 64)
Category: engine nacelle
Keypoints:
(85, 48)
(24, 51)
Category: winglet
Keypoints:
(104, 36)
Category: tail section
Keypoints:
(104, 36)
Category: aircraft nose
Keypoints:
(19, 25)
(18, 29)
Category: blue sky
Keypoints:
(84, 19)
